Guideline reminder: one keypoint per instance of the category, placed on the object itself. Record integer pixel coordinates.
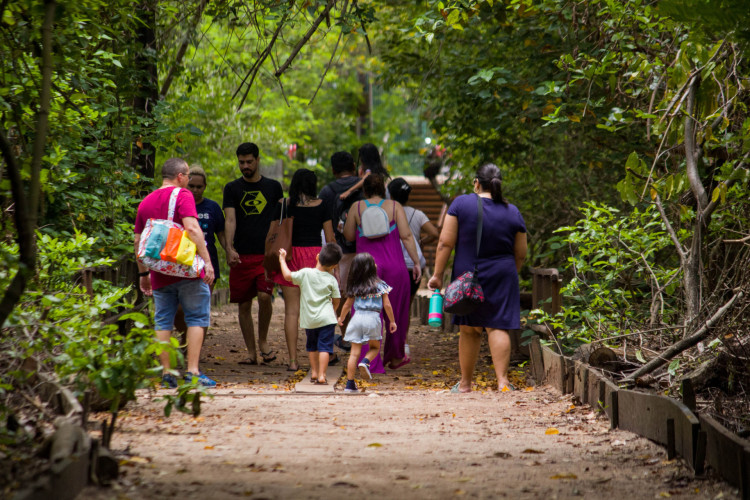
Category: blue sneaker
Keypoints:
(364, 368)
(202, 379)
(351, 386)
(168, 381)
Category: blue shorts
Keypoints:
(193, 295)
(320, 339)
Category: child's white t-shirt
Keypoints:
(317, 288)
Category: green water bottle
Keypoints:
(435, 317)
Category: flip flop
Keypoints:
(248, 362)
(456, 389)
(268, 356)
(290, 369)
(406, 360)
(318, 382)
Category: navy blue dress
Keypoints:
(496, 266)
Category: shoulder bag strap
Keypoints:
(173, 203)
(479, 230)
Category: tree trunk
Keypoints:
(147, 90)
(26, 204)
(693, 263)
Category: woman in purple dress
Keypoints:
(386, 251)
(502, 251)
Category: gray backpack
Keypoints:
(373, 221)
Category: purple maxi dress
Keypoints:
(392, 269)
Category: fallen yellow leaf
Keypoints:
(564, 476)
(208, 447)
(551, 431)
(374, 445)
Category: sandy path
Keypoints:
(405, 437)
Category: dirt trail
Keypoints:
(405, 436)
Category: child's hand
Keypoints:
(282, 254)
(393, 327)
(341, 321)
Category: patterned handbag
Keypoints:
(166, 248)
(464, 295)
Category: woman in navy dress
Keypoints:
(501, 253)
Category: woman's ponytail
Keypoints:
(490, 179)
(496, 190)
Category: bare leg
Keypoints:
(265, 310)
(499, 341)
(351, 365)
(323, 358)
(469, 342)
(314, 365)
(164, 336)
(344, 266)
(194, 344)
(246, 326)
(373, 349)
(291, 322)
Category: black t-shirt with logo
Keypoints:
(254, 204)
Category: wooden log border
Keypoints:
(727, 453)
(64, 480)
(699, 440)
(220, 297)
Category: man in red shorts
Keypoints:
(248, 206)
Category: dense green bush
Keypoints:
(620, 275)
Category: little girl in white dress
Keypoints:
(369, 295)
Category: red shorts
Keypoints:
(248, 278)
(301, 257)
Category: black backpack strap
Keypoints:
(479, 230)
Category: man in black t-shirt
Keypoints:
(249, 203)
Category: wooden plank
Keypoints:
(569, 375)
(333, 373)
(608, 392)
(424, 309)
(64, 481)
(592, 389)
(581, 382)
(537, 362)
(725, 453)
(647, 415)
(554, 369)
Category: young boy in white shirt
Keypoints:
(319, 299)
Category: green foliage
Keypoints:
(493, 92)
(320, 111)
(622, 274)
(63, 327)
(87, 184)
